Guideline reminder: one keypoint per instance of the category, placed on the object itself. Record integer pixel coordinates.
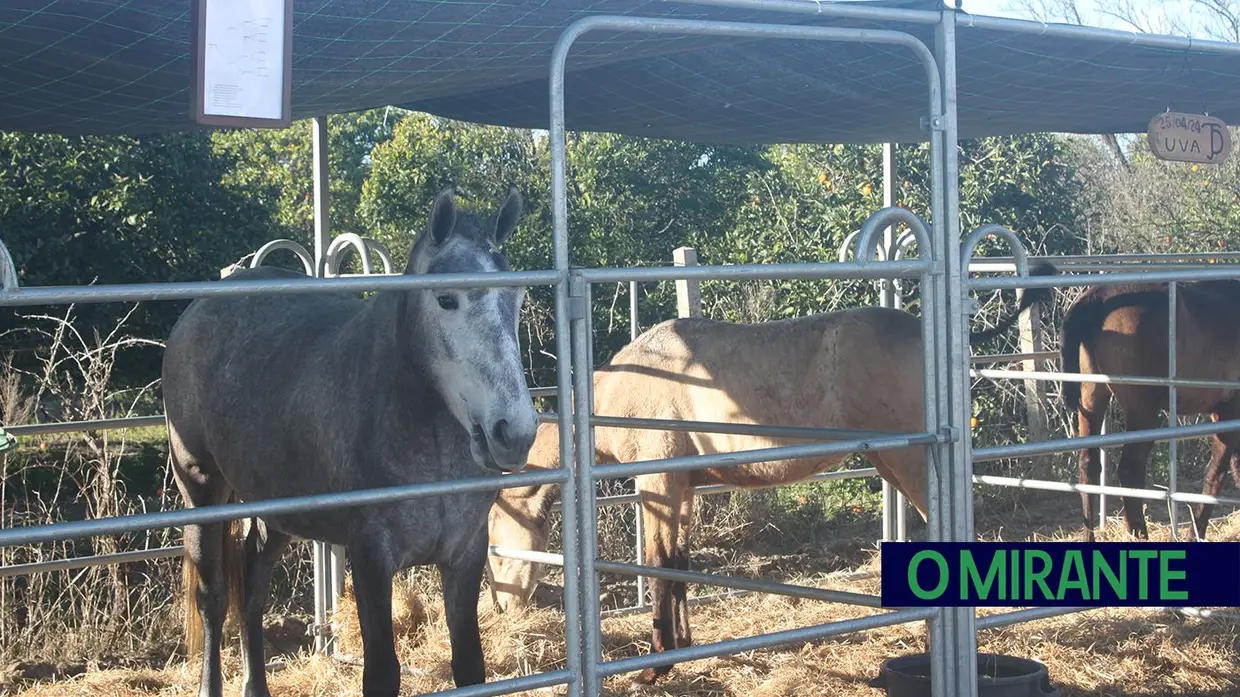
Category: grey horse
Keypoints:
(290, 395)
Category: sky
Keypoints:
(1091, 10)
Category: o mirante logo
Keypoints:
(1027, 574)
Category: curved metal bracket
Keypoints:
(290, 245)
(849, 245)
(378, 248)
(905, 241)
(1014, 245)
(340, 245)
(8, 271)
(888, 217)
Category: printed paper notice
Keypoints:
(243, 60)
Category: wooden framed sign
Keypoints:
(1189, 138)
(243, 63)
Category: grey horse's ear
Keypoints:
(443, 215)
(508, 215)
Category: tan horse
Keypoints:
(856, 369)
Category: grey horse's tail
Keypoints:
(232, 560)
(1031, 296)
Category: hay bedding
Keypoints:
(1105, 652)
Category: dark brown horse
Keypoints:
(1122, 330)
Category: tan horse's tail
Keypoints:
(232, 560)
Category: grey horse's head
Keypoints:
(468, 336)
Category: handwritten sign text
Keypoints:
(1189, 138)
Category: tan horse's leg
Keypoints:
(1095, 399)
(905, 469)
(661, 497)
(680, 591)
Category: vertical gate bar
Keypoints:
(1102, 471)
(886, 299)
(318, 552)
(640, 546)
(583, 407)
(324, 556)
(935, 363)
(337, 586)
(893, 300)
(959, 625)
(1173, 416)
(564, 365)
(322, 192)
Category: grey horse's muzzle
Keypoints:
(509, 445)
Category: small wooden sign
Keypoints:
(1189, 138)
(243, 63)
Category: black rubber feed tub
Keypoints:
(997, 676)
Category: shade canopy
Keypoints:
(123, 66)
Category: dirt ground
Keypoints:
(1105, 652)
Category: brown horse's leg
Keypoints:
(680, 591)
(660, 508)
(1095, 399)
(1225, 451)
(1220, 453)
(1131, 470)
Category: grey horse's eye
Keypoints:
(447, 302)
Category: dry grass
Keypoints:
(408, 615)
(1105, 652)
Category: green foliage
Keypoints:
(1155, 206)
(180, 207)
(276, 170)
(816, 195)
(631, 202)
(121, 210)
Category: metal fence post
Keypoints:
(328, 559)
(954, 673)
(565, 379)
(1173, 414)
(640, 525)
(895, 524)
(688, 292)
(583, 409)
(1030, 326)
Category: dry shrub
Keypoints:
(95, 612)
(408, 615)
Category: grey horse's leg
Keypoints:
(462, 581)
(204, 545)
(372, 588)
(263, 548)
(210, 561)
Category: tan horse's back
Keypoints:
(856, 369)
